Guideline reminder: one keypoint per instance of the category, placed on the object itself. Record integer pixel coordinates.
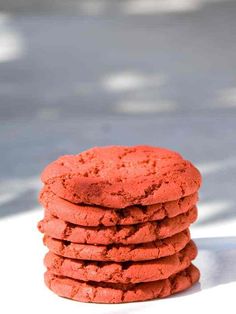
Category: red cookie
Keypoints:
(119, 252)
(127, 272)
(120, 176)
(88, 215)
(121, 293)
(130, 234)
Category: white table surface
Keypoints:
(22, 288)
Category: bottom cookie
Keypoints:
(121, 293)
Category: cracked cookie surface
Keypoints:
(91, 215)
(126, 272)
(121, 293)
(121, 176)
(130, 234)
(119, 252)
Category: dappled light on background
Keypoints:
(142, 92)
(6, 197)
(227, 98)
(125, 81)
(217, 165)
(212, 208)
(162, 6)
(11, 42)
(218, 212)
(18, 195)
(92, 7)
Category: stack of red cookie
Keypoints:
(116, 224)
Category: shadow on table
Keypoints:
(216, 261)
(21, 203)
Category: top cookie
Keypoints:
(120, 176)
